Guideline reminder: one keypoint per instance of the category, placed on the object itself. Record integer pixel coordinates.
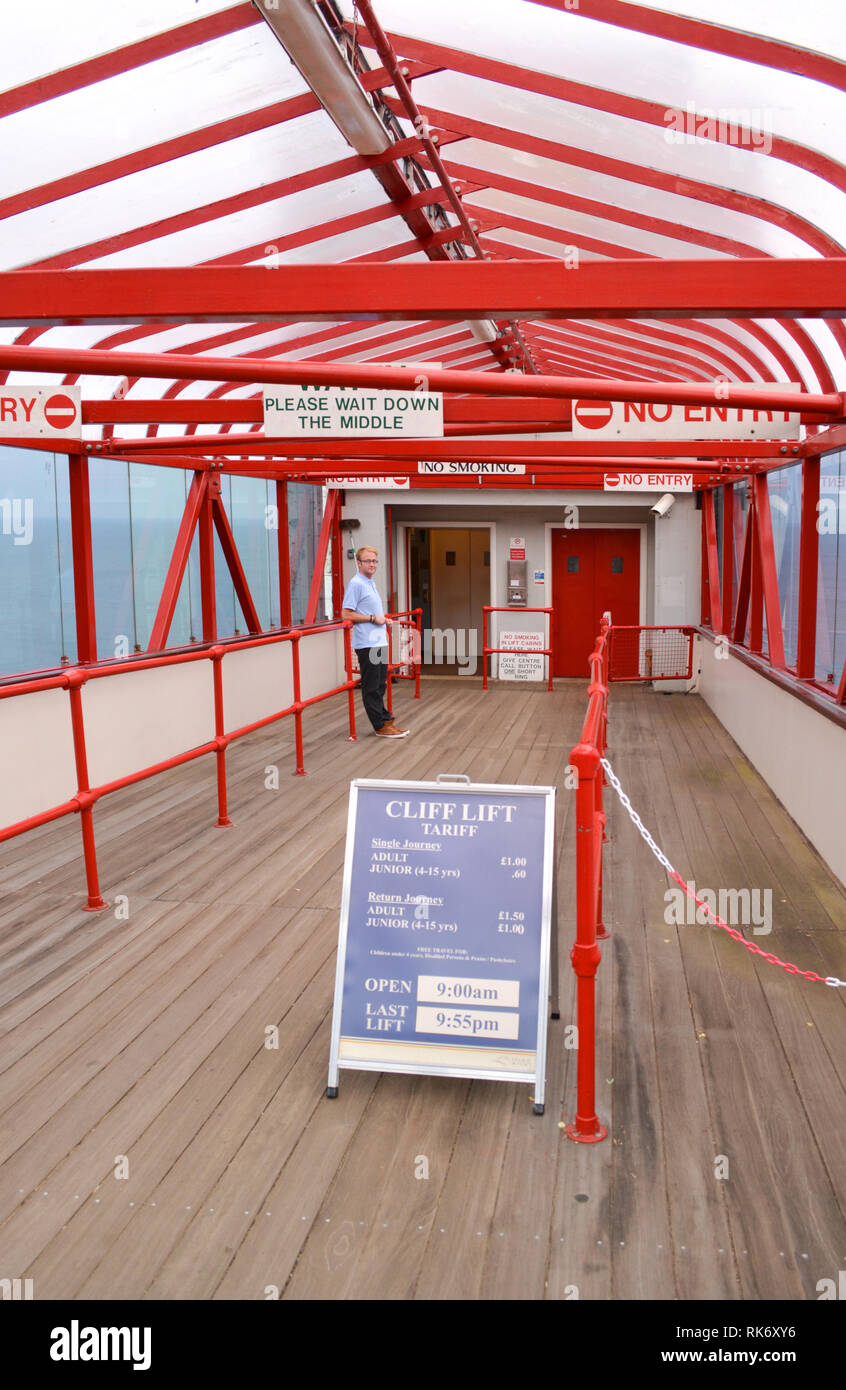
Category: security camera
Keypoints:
(663, 505)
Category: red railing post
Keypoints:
(418, 625)
(298, 704)
(349, 671)
(220, 739)
(84, 799)
(485, 612)
(550, 644)
(585, 954)
(389, 698)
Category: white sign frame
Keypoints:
(535, 1077)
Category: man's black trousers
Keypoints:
(373, 662)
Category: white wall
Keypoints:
(677, 564)
(39, 770)
(670, 553)
(256, 682)
(145, 717)
(798, 752)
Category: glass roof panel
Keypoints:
(818, 26)
(691, 213)
(186, 185)
(185, 92)
(264, 227)
(53, 35)
(630, 240)
(638, 143)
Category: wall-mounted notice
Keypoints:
(444, 944)
(524, 661)
(357, 412)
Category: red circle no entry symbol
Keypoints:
(594, 415)
(59, 411)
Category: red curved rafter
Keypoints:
(714, 38)
(603, 99)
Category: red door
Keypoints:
(593, 572)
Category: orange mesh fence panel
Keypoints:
(651, 654)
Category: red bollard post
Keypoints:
(220, 739)
(585, 954)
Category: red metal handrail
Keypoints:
(74, 678)
(587, 757)
(534, 651)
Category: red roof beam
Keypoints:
(473, 409)
(507, 451)
(95, 362)
(529, 289)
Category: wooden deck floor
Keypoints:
(143, 1036)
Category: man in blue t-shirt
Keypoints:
(370, 638)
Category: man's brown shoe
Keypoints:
(390, 730)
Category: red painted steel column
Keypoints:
(337, 566)
(332, 497)
(83, 563)
(756, 590)
(809, 552)
(221, 741)
(233, 559)
(712, 561)
(298, 716)
(205, 527)
(585, 954)
(178, 561)
(390, 530)
(704, 591)
(769, 571)
(744, 584)
(283, 544)
(728, 556)
(83, 798)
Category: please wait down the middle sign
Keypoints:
(353, 413)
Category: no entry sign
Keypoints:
(444, 943)
(657, 420)
(592, 415)
(647, 482)
(42, 412)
